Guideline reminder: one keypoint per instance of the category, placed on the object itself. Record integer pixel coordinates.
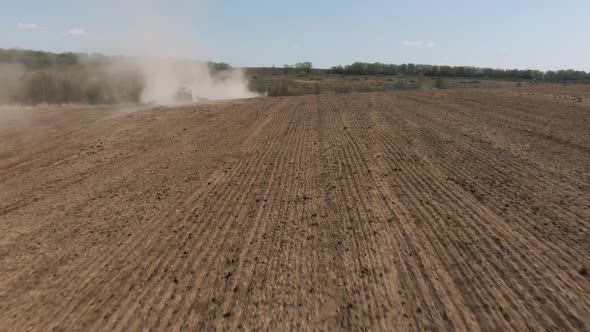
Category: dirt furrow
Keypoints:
(418, 210)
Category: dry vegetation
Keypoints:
(298, 84)
(457, 209)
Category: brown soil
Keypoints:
(455, 210)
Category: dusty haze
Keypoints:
(160, 56)
(163, 76)
(162, 44)
(9, 80)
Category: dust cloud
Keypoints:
(165, 48)
(162, 77)
(10, 85)
(149, 59)
(11, 114)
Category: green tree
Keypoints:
(304, 67)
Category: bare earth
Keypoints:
(462, 209)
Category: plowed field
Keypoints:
(462, 209)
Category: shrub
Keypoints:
(440, 84)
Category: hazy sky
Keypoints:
(536, 34)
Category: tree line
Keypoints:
(410, 69)
(300, 67)
(40, 59)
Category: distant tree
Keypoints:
(216, 67)
(66, 59)
(304, 67)
(287, 69)
(337, 70)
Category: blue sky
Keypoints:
(506, 34)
